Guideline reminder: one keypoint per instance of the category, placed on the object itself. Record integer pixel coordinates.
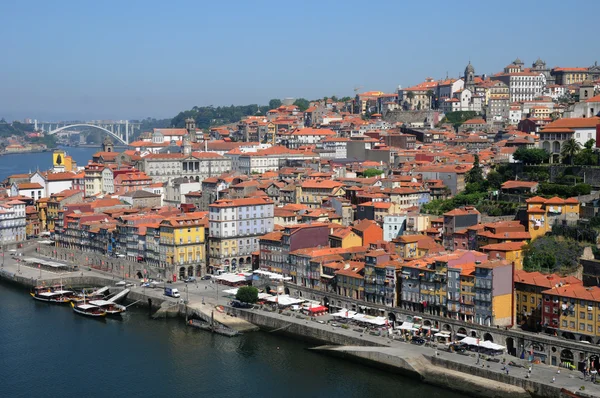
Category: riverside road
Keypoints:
(211, 294)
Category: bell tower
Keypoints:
(107, 145)
(470, 77)
(190, 126)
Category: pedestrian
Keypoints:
(507, 371)
(558, 372)
(553, 379)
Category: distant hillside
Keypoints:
(14, 128)
(208, 116)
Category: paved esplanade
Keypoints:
(206, 292)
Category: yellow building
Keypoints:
(41, 205)
(541, 112)
(509, 251)
(344, 238)
(573, 311)
(312, 193)
(529, 297)
(407, 245)
(182, 240)
(542, 214)
(63, 162)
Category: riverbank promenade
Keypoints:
(206, 295)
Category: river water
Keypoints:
(47, 350)
(30, 162)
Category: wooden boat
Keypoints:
(56, 296)
(88, 310)
(82, 298)
(109, 307)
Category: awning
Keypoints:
(405, 326)
(320, 308)
(442, 334)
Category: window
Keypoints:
(590, 316)
(582, 315)
(582, 326)
(572, 325)
(590, 328)
(564, 324)
(525, 298)
(532, 300)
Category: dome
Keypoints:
(539, 62)
(517, 61)
(469, 68)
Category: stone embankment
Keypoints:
(443, 369)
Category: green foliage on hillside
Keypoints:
(209, 116)
(531, 156)
(371, 173)
(16, 128)
(563, 191)
(302, 104)
(458, 118)
(552, 254)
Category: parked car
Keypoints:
(190, 279)
(206, 277)
(240, 304)
(418, 340)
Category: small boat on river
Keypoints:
(53, 296)
(88, 310)
(109, 307)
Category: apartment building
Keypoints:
(236, 226)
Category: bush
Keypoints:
(247, 294)
(551, 254)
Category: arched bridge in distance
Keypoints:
(123, 140)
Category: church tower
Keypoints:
(187, 145)
(190, 126)
(107, 145)
(470, 78)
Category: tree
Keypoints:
(302, 104)
(550, 254)
(430, 96)
(494, 179)
(274, 103)
(531, 156)
(247, 294)
(410, 95)
(589, 144)
(334, 98)
(475, 175)
(372, 173)
(569, 149)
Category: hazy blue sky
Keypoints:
(86, 59)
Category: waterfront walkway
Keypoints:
(204, 294)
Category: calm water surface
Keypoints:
(48, 351)
(30, 162)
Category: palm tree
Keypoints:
(569, 149)
(410, 95)
(430, 96)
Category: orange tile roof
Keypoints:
(504, 246)
(241, 202)
(29, 185)
(579, 122)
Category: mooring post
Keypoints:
(149, 307)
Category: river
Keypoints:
(47, 350)
(30, 162)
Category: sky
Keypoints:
(132, 59)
